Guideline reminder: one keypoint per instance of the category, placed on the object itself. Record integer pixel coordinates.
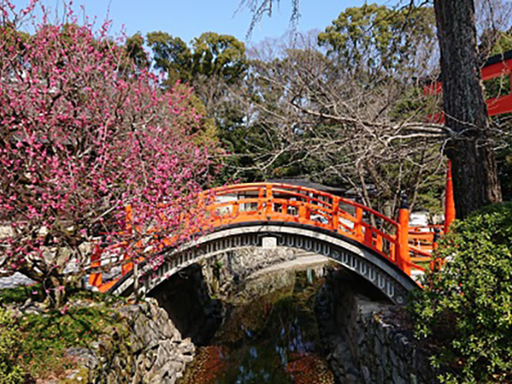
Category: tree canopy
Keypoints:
(378, 38)
(475, 174)
(210, 55)
(82, 136)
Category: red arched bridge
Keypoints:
(384, 251)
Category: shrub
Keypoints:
(466, 308)
(10, 349)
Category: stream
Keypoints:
(269, 334)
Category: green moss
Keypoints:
(44, 338)
(35, 292)
(52, 333)
(20, 294)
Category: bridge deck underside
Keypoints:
(381, 273)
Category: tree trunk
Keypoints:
(475, 179)
(56, 295)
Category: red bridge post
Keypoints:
(404, 258)
(449, 203)
(358, 226)
(95, 279)
(335, 222)
(268, 208)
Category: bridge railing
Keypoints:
(422, 242)
(287, 203)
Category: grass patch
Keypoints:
(44, 338)
(35, 292)
(21, 294)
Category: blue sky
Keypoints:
(189, 18)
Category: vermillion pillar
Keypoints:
(95, 279)
(404, 258)
(449, 203)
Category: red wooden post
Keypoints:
(378, 242)
(368, 236)
(269, 200)
(335, 219)
(261, 197)
(392, 251)
(284, 208)
(358, 226)
(302, 211)
(235, 209)
(404, 258)
(449, 204)
(95, 279)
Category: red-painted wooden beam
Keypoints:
(495, 67)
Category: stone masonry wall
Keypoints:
(383, 352)
(226, 271)
(149, 349)
(376, 342)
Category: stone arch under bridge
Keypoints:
(379, 272)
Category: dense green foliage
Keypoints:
(210, 55)
(10, 349)
(466, 308)
(377, 37)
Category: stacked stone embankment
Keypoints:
(372, 341)
(149, 348)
